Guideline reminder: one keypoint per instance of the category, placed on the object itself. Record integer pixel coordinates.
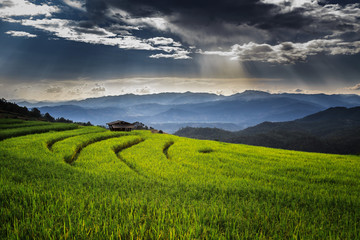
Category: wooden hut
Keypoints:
(120, 126)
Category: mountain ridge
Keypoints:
(334, 130)
(243, 109)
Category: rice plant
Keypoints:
(139, 185)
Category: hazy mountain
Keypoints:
(344, 100)
(132, 99)
(173, 127)
(250, 95)
(243, 109)
(127, 100)
(147, 109)
(98, 116)
(335, 130)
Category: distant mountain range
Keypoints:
(171, 111)
(335, 130)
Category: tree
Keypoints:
(49, 118)
(35, 113)
(63, 120)
(140, 126)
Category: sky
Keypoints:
(75, 49)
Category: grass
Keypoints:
(139, 185)
(10, 121)
(4, 126)
(40, 128)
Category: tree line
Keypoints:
(33, 113)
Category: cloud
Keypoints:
(21, 34)
(6, 3)
(71, 30)
(74, 31)
(144, 90)
(12, 8)
(334, 20)
(98, 88)
(164, 41)
(80, 5)
(178, 55)
(54, 90)
(254, 30)
(219, 92)
(158, 23)
(288, 6)
(204, 21)
(356, 87)
(193, 22)
(75, 92)
(298, 90)
(323, 17)
(212, 24)
(287, 52)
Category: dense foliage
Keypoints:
(87, 182)
(10, 109)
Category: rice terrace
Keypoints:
(65, 181)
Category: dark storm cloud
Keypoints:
(204, 12)
(340, 2)
(212, 25)
(287, 20)
(288, 52)
(224, 23)
(96, 9)
(200, 10)
(204, 21)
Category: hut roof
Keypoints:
(123, 126)
(119, 122)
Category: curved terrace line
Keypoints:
(166, 148)
(119, 149)
(73, 158)
(30, 131)
(52, 142)
(206, 150)
(15, 126)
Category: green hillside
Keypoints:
(63, 181)
(334, 130)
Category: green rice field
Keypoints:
(64, 181)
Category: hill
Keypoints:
(12, 110)
(65, 181)
(176, 110)
(335, 130)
